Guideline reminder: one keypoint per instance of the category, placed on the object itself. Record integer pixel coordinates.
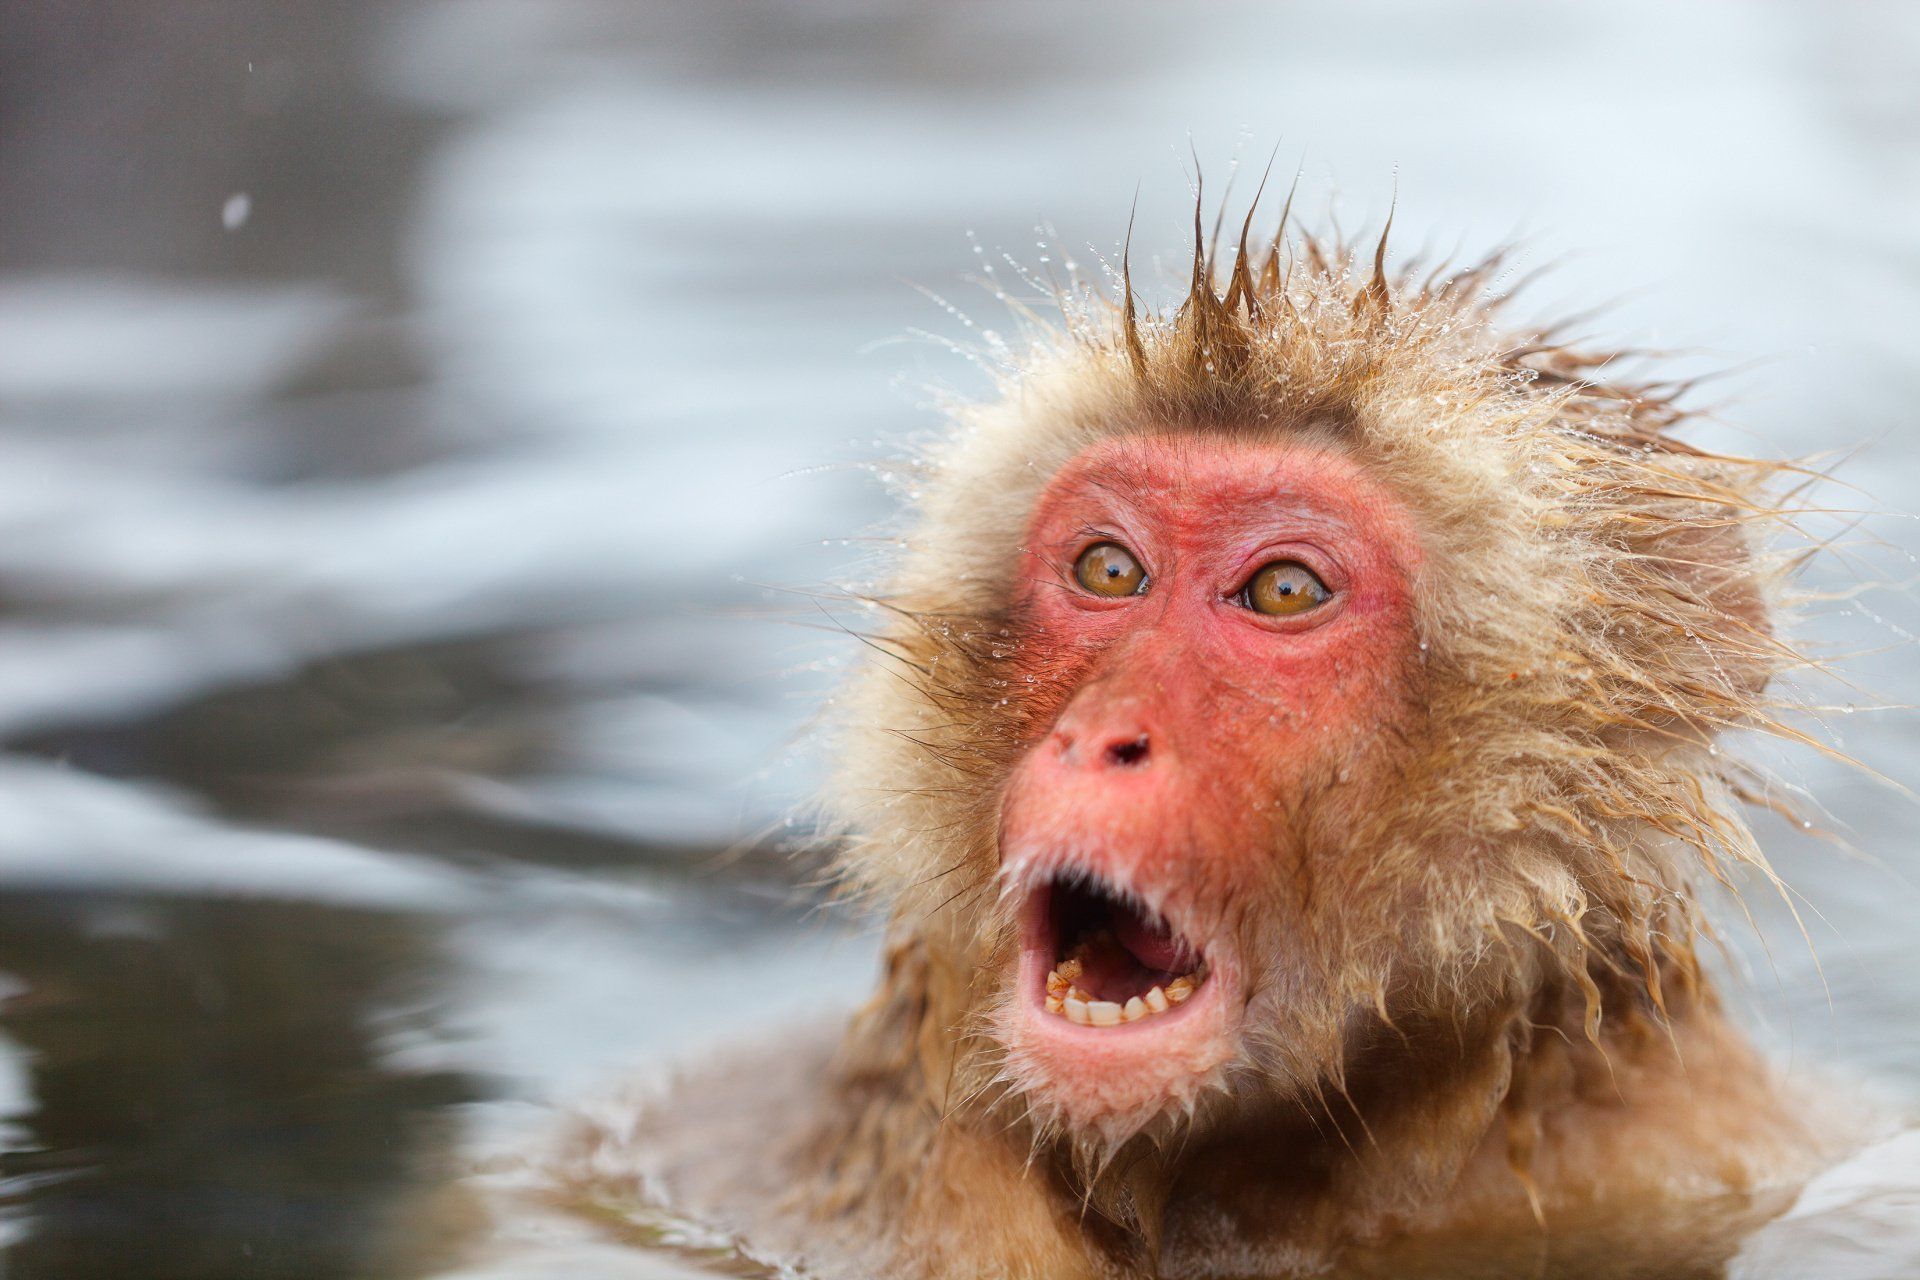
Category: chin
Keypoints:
(1118, 1018)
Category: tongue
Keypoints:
(1154, 946)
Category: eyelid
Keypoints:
(1077, 542)
(1331, 572)
(1092, 535)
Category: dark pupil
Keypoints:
(1114, 570)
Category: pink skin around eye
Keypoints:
(1202, 517)
(1183, 715)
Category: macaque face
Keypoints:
(1220, 635)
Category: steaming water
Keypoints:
(405, 405)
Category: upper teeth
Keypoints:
(1066, 999)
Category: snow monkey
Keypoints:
(1290, 766)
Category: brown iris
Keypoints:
(1109, 569)
(1284, 588)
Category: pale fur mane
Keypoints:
(1604, 608)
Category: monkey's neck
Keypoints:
(1512, 1115)
(1387, 1140)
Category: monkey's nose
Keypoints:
(1126, 748)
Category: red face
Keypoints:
(1227, 629)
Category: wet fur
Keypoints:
(1508, 1035)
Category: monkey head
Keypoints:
(1312, 681)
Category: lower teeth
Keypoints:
(1067, 1000)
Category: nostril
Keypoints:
(1128, 753)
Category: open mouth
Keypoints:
(1121, 1011)
(1112, 961)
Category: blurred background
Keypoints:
(412, 413)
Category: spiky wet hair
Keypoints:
(1599, 602)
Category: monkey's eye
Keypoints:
(1109, 569)
(1284, 588)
